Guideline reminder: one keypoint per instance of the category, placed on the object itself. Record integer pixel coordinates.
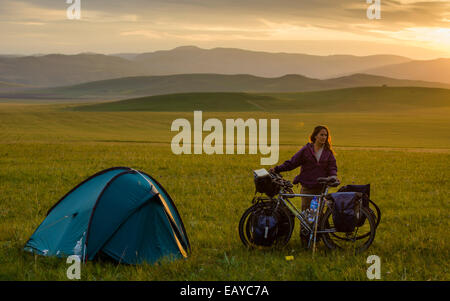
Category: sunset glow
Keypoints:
(417, 29)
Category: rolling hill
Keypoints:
(363, 99)
(58, 69)
(432, 70)
(221, 101)
(184, 83)
(12, 87)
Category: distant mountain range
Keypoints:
(433, 70)
(183, 83)
(61, 70)
(58, 69)
(191, 59)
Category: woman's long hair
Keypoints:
(316, 131)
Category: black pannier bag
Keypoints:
(264, 183)
(264, 227)
(345, 210)
(269, 224)
(365, 198)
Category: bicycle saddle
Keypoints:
(329, 181)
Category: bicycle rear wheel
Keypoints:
(376, 212)
(358, 241)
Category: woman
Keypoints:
(316, 160)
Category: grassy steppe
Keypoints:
(45, 150)
(211, 193)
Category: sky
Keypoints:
(415, 29)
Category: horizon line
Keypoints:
(213, 48)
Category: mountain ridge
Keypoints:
(52, 70)
(430, 70)
(184, 83)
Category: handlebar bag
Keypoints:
(264, 183)
(345, 210)
(365, 190)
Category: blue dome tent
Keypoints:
(120, 212)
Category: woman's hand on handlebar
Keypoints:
(331, 181)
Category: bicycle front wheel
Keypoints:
(285, 226)
(357, 241)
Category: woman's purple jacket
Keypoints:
(311, 169)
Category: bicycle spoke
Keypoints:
(357, 240)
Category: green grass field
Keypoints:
(47, 149)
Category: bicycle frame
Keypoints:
(311, 228)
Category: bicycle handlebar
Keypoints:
(279, 179)
(328, 181)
